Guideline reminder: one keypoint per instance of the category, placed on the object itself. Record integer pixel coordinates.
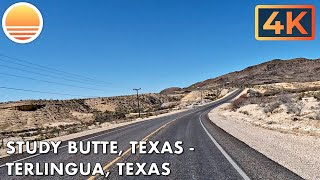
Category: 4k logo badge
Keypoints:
(285, 22)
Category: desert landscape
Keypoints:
(279, 120)
(44, 119)
(280, 95)
(291, 109)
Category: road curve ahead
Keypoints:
(209, 152)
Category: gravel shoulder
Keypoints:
(298, 153)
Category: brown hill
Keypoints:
(294, 70)
(170, 90)
(30, 114)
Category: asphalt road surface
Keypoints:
(209, 152)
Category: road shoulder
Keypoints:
(297, 153)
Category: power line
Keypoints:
(42, 92)
(51, 76)
(51, 82)
(39, 69)
(53, 69)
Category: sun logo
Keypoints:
(22, 22)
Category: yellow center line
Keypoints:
(106, 167)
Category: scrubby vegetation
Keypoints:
(272, 101)
(102, 117)
(43, 119)
(289, 112)
(241, 101)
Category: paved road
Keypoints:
(216, 154)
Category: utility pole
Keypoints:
(138, 100)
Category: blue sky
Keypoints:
(152, 44)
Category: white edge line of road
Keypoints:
(225, 154)
(35, 155)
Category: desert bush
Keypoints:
(40, 138)
(108, 117)
(271, 93)
(48, 136)
(257, 100)
(270, 107)
(236, 104)
(244, 100)
(148, 114)
(39, 131)
(316, 111)
(317, 116)
(253, 93)
(294, 108)
(316, 95)
(285, 98)
(72, 130)
(56, 130)
(245, 112)
(271, 122)
(86, 124)
(300, 96)
(210, 98)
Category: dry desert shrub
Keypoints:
(102, 117)
(271, 103)
(270, 107)
(317, 117)
(73, 130)
(285, 98)
(316, 95)
(294, 108)
(244, 100)
(316, 112)
(241, 101)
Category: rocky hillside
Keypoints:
(45, 113)
(294, 70)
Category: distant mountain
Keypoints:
(294, 70)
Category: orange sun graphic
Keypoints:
(22, 22)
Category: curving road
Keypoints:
(216, 154)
